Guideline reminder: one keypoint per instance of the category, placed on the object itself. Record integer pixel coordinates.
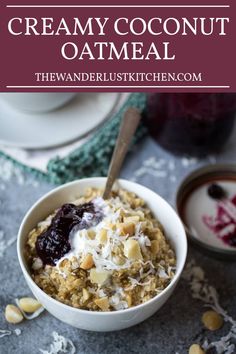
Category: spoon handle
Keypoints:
(128, 127)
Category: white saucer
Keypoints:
(73, 121)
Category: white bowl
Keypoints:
(92, 320)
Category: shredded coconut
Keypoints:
(153, 167)
(101, 293)
(173, 178)
(60, 345)
(9, 170)
(148, 262)
(212, 159)
(17, 331)
(165, 168)
(159, 168)
(163, 274)
(203, 291)
(4, 244)
(4, 332)
(186, 162)
(31, 316)
(135, 282)
(117, 302)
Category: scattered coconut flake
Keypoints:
(171, 270)
(63, 274)
(34, 315)
(142, 239)
(45, 223)
(122, 305)
(60, 345)
(116, 302)
(223, 346)
(152, 161)
(173, 178)
(8, 171)
(4, 244)
(202, 290)
(159, 168)
(101, 293)
(186, 162)
(148, 263)
(171, 165)
(165, 168)
(135, 282)
(120, 291)
(148, 171)
(162, 273)
(4, 332)
(17, 331)
(114, 299)
(153, 167)
(212, 159)
(31, 316)
(91, 290)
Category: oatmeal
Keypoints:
(101, 255)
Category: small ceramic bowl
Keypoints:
(93, 320)
(37, 102)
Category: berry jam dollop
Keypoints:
(223, 225)
(54, 243)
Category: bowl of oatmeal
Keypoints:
(98, 264)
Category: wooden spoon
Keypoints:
(128, 127)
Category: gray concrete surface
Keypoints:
(171, 330)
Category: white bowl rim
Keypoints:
(100, 313)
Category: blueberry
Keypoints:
(215, 191)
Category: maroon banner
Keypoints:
(159, 46)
